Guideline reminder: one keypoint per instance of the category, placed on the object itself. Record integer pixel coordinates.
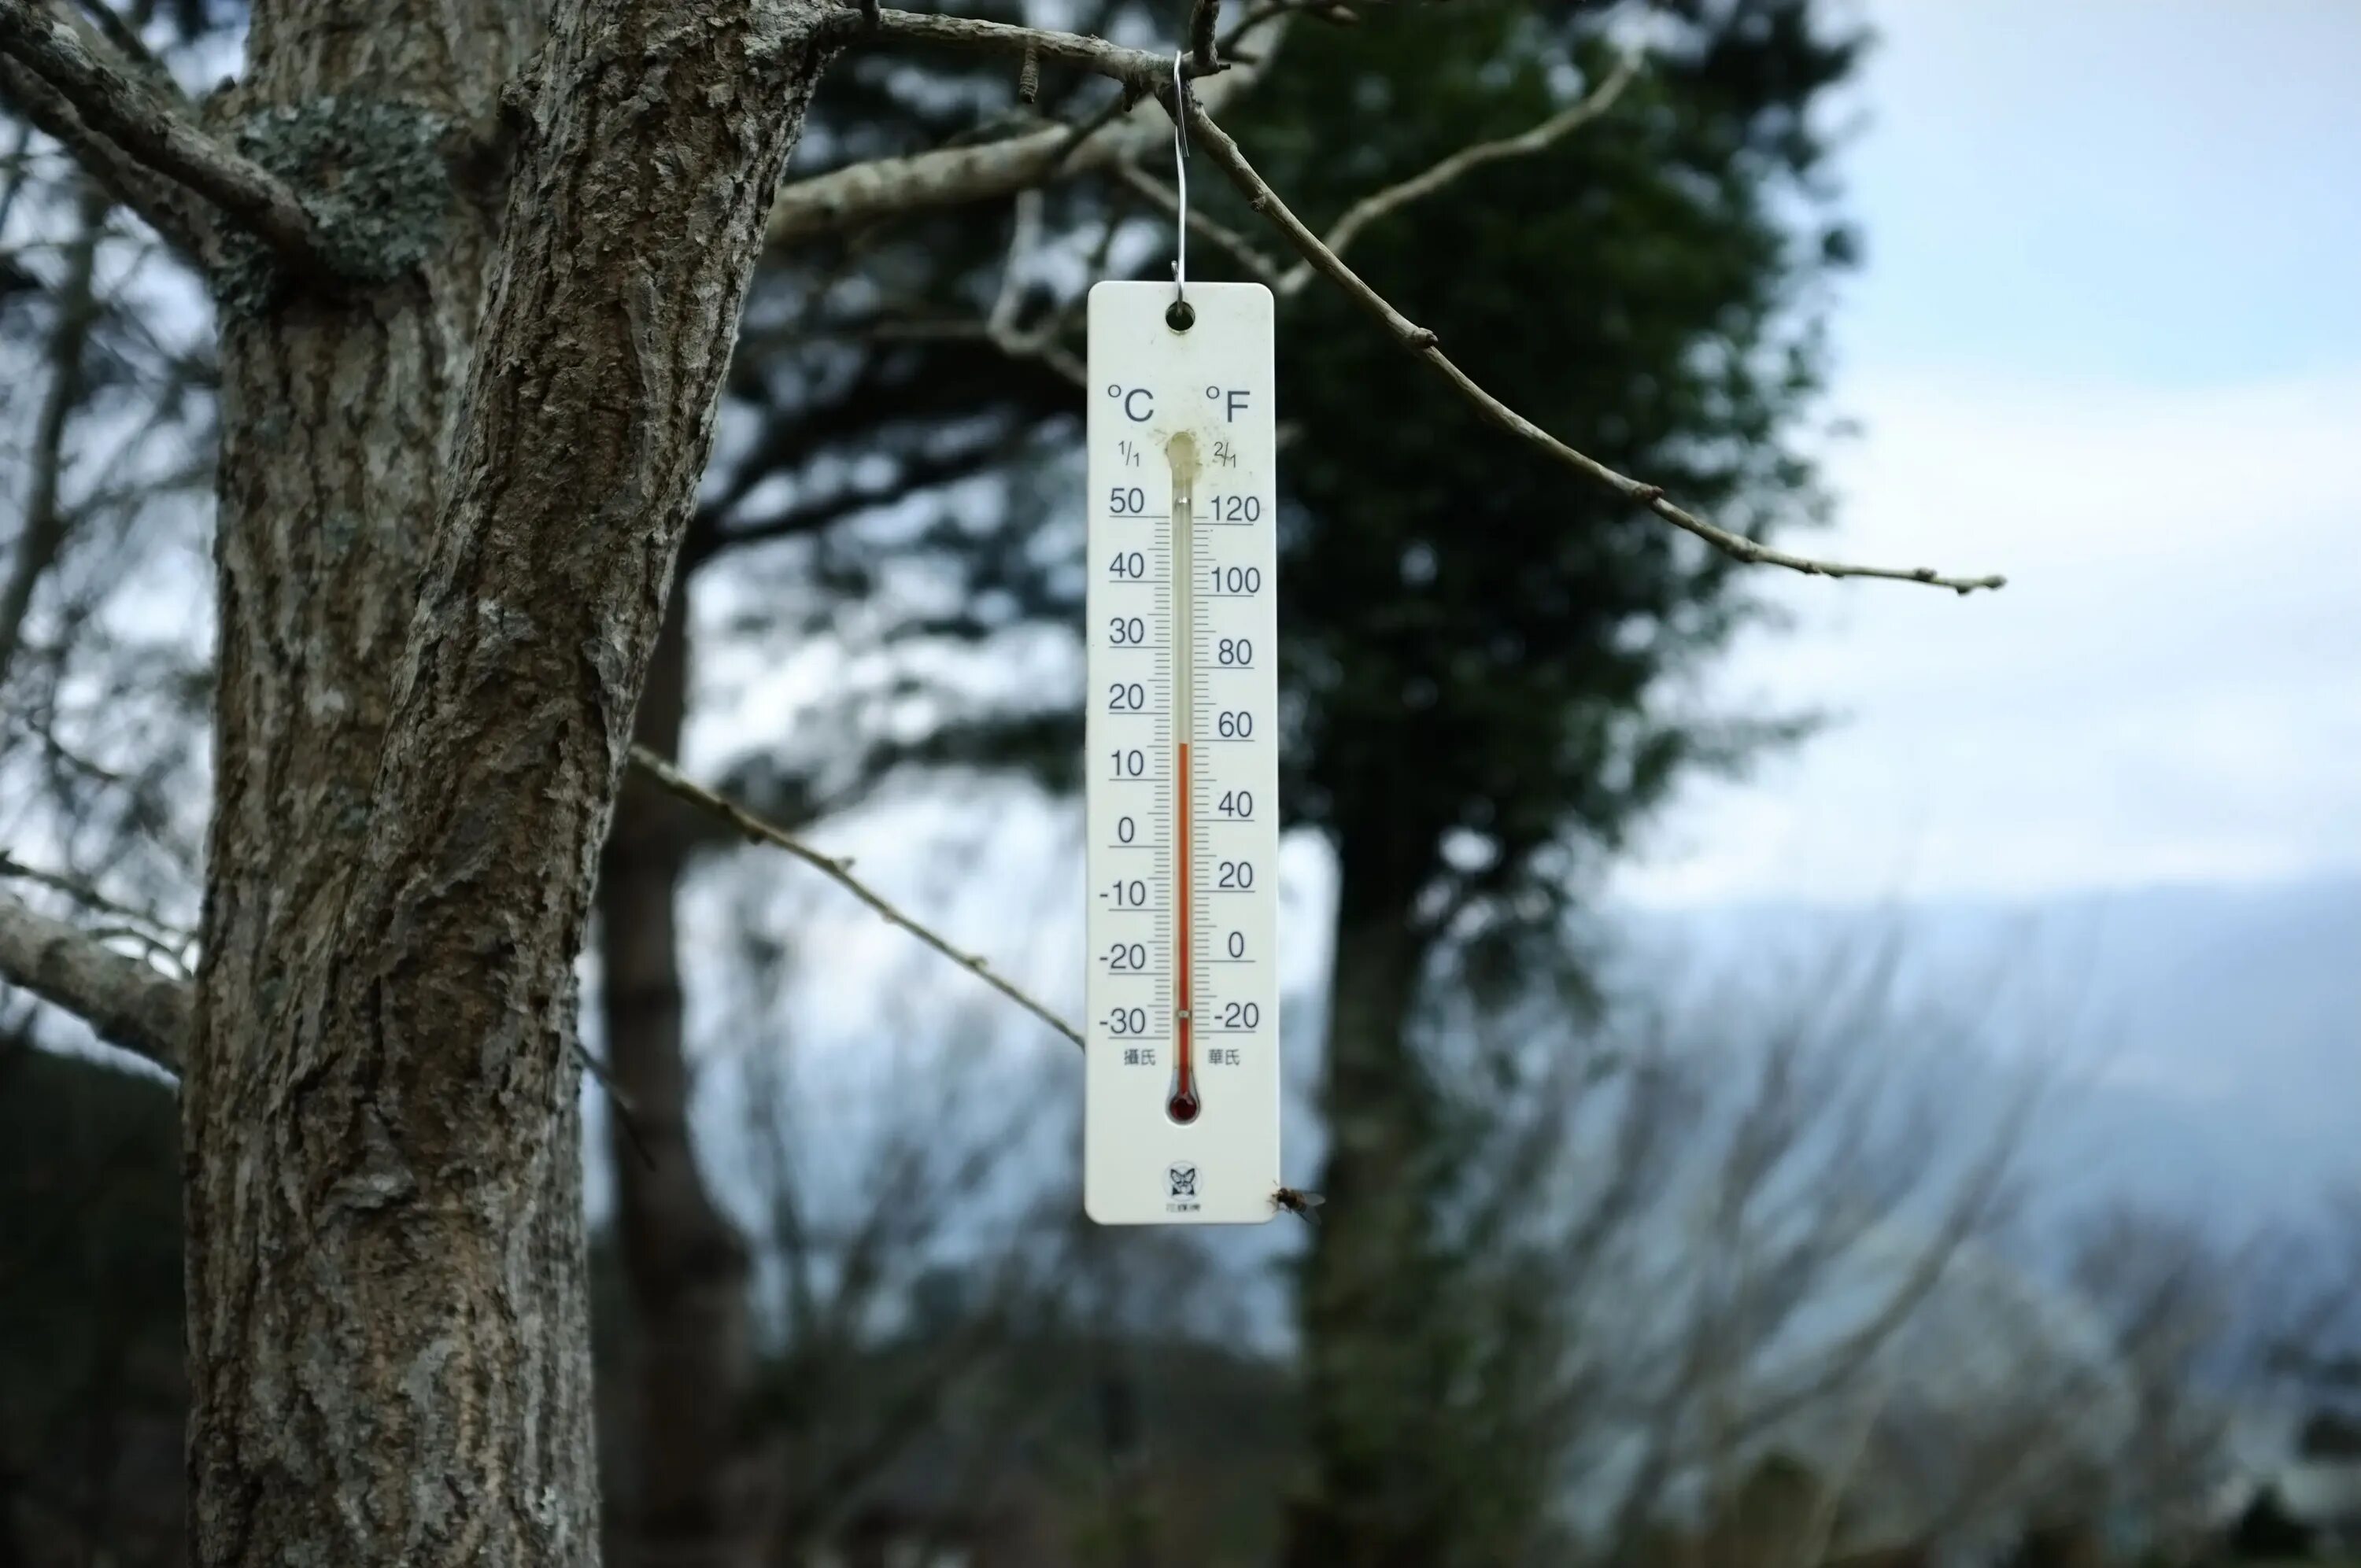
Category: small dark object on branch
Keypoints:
(1299, 1203)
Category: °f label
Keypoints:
(1181, 1121)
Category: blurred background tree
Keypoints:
(1485, 671)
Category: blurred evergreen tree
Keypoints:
(1483, 656)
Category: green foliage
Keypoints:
(1483, 655)
(1478, 642)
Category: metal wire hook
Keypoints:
(1182, 314)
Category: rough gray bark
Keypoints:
(335, 415)
(694, 1503)
(388, 1351)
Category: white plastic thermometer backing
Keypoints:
(1182, 1123)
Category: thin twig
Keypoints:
(1024, 238)
(1136, 68)
(139, 121)
(627, 1113)
(1421, 342)
(156, 931)
(1333, 11)
(1417, 187)
(1000, 328)
(47, 521)
(1204, 16)
(1236, 245)
(837, 871)
(19, 166)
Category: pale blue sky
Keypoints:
(2108, 342)
(2164, 191)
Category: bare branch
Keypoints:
(1332, 11)
(1136, 68)
(1424, 343)
(173, 210)
(810, 516)
(886, 187)
(159, 936)
(142, 123)
(882, 188)
(103, 19)
(1204, 16)
(128, 1002)
(46, 522)
(837, 871)
(1417, 187)
(1266, 271)
(1024, 238)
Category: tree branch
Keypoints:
(1421, 342)
(838, 871)
(141, 124)
(1417, 187)
(109, 24)
(806, 517)
(47, 521)
(140, 926)
(1137, 69)
(887, 187)
(1234, 244)
(177, 213)
(129, 1003)
(1205, 18)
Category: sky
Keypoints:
(2107, 341)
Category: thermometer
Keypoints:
(1182, 1101)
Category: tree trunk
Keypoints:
(1371, 1497)
(388, 1347)
(335, 419)
(685, 1264)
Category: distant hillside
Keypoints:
(2206, 1041)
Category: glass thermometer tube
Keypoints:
(1184, 1103)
